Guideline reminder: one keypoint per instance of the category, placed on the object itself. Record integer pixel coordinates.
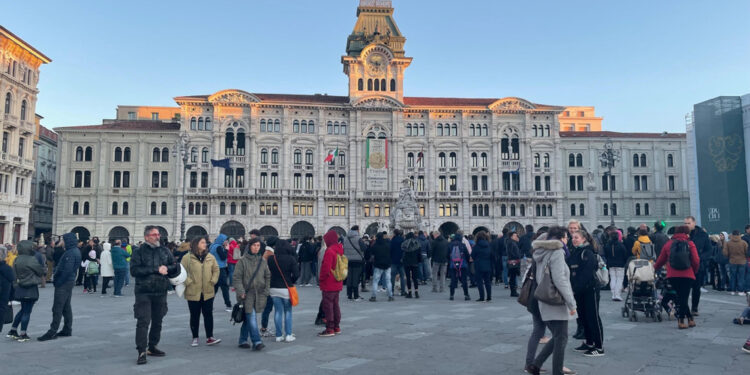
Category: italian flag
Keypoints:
(332, 154)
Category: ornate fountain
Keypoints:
(405, 215)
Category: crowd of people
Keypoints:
(559, 273)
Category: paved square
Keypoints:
(430, 335)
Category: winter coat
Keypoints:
(615, 254)
(353, 248)
(524, 244)
(718, 253)
(283, 258)
(233, 246)
(28, 273)
(307, 252)
(637, 245)
(736, 250)
(583, 266)
(380, 253)
(412, 253)
(327, 282)
(256, 293)
(498, 248)
(440, 252)
(702, 243)
(396, 251)
(67, 268)
(629, 242)
(482, 256)
(105, 263)
(664, 258)
(424, 243)
(119, 257)
(514, 252)
(218, 251)
(202, 276)
(144, 267)
(549, 253)
(658, 239)
(7, 276)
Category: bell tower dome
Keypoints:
(374, 59)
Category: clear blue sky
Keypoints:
(643, 64)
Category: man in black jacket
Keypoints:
(658, 237)
(440, 258)
(64, 279)
(703, 245)
(498, 247)
(151, 265)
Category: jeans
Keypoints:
(332, 310)
(505, 269)
(737, 277)
(149, 309)
(412, 277)
(266, 313)
(230, 272)
(250, 328)
(457, 274)
(398, 269)
(682, 286)
(426, 269)
(105, 283)
(588, 310)
(282, 310)
(484, 284)
(120, 274)
(222, 283)
(555, 346)
(91, 281)
(438, 276)
(615, 281)
(377, 275)
(537, 333)
(306, 273)
(24, 315)
(205, 307)
(352, 279)
(61, 308)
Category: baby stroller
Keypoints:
(641, 291)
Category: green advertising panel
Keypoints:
(720, 154)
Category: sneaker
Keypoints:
(733, 293)
(279, 338)
(23, 338)
(265, 333)
(64, 333)
(467, 298)
(740, 293)
(228, 309)
(594, 353)
(704, 290)
(326, 333)
(259, 347)
(244, 346)
(359, 299)
(155, 352)
(337, 331)
(194, 343)
(746, 347)
(583, 348)
(12, 334)
(373, 299)
(170, 292)
(142, 360)
(212, 341)
(290, 338)
(47, 336)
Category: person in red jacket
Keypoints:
(681, 280)
(329, 285)
(234, 254)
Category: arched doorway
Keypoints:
(341, 231)
(195, 231)
(372, 230)
(515, 226)
(479, 229)
(233, 229)
(268, 231)
(119, 233)
(82, 233)
(302, 229)
(448, 228)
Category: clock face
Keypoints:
(376, 63)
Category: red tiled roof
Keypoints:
(140, 125)
(317, 98)
(608, 134)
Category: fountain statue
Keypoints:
(405, 215)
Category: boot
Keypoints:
(513, 292)
(408, 295)
(691, 322)
(681, 324)
(416, 294)
(579, 335)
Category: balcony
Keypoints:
(231, 191)
(302, 193)
(237, 159)
(512, 164)
(10, 121)
(27, 127)
(481, 193)
(198, 191)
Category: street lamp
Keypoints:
(608, 157)
(181, 148)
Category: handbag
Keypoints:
(8, 314)
(529, 286)
(514, 263)
(293, 296)
(546, 291)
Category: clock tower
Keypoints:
(374, 59)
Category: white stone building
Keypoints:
(19, 75)
(473, 162)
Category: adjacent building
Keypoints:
(43, 181)
(475, 163)
(19, 76)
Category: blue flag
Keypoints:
(223, 163)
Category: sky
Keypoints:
(642, 64)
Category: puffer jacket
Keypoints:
(107, 269)
(353, 248)
(218, 251)
(256, 293)
(735, 249)
(67, 268)
(412, 255)
(283, 258)
(583, 265)
(28, 273)
(7, 277)
(202, 276)
(380, 254)
(440, 253)
(637, 245)
(233, 246)
(615, 254)
(144, 267)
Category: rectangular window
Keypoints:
(126, 179)
(274, 180)
(506, 181)
(193, 179)
(547, 183)
(644, 183)
(671, 183)
(342, 182)
(420, 183)
(131, 115)
(441, 184)
(538, 183)
(453, 183)
(295, 209)
(239, 178)
(263, 178)
(572, 183)
(155, 116)
(154, 179)
(87, 179)
(474, 183)
(204, 179)
(637, 183)
(297, 181)
(21, 144)
(5, 141)
(309, 181)
(116, 181)
(164, 179)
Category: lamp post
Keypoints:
(181, 148)
(608, 157)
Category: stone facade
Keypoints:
(19, 75)
(43, 181)
(472, 161)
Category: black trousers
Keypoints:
(81, 274)
(222, 283)
(352, 279)
(149, 310)
(205, 307)
(61, 308)
(682, 286)
(484, 284)
(588, 310)
(513, 274)
(497, 269)
(105, 283)
(412, 277)
(700, 278)
(456, 275)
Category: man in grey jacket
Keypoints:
(354, 250)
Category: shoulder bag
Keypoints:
(546, 291)
(529, 286)
(293, 296)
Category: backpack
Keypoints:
(237, 253)
(457, 258)
(93, 268)
(647, 251)
(679, 255)
(342, 267)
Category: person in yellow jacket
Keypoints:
(641, 244)
(12, 255)
(203, 274)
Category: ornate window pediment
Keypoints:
(511, 104)
(377, 102)
(233, 97)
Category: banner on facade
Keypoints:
(376, 164)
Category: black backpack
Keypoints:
(679, 255)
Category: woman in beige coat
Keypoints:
(203, 273)
(252, 281)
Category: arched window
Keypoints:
(277, 126)
(343, 127)
(670, 161)
(163, 208)
(126, 155)
(512, 210)
(88, 154)
(23, 110)
(614, 209)
(118, 154)
(441, 160)
(208, 123)
(192, 123)
(536, 132)
(330, 127)
(537, 161)
(262, 209)
(410, 160)
(471, 129)
(191, 209)
(311, 127)
(153, 208)
(484, 162)
(262, 125)
(222, 208)
(200, 123)
(7, 103)
(672, 209)
(572, 210)
(474, 210)
(243, 208)
(274, 156)
(581, 210)
(453, 159)
(369, 84)
(309, 157)
(79, 153)
(503, 210)
(164, 155)
(204, 207)
(295, 126)
(440, 129)
(382, 84)
(264, 156)
(275, 208)
(523, 210)
(606, 209)
(408, 130)
(393, 84)
(571, 160)
(544, 210)
(114, 208)
(454, 130)
(156, 155)
(233, 208)
(635, 160)
(579, 160)
(229, 143)
(546, 160)
(194, 155)
(377, 85)
(303, 127)
(125, 208)
(474, 160)
(360, 85)
(645, 209)
(643, 160)
(297, 157)
(75, 208)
